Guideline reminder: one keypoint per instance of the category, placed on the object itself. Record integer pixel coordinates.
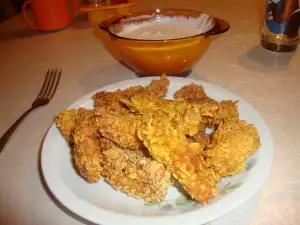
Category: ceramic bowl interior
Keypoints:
(203, 21)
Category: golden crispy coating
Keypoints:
(112, 99)
(232, 143)
(144, 104)
(119, 127)
(206, 108)
(199, 181)
(78, 128)
(66, 121)
(184, 160)
(130, 172)
(227, 110)
(87, 152)
(157, 88)
(192, 92)
(184, 116)
(189, 116)
(114, 120)
(195, 93)
(213, 112)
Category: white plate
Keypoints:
(101, 204)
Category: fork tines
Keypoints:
(50, 84)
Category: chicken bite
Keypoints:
(137, 176)
(189, 116)
(217, 112)
(119, 127)
(113, 118)
(191, 92)
(78, 128)
(157, 88)
(87, 152)
(65, 122)
(232, 143)
(183, 159)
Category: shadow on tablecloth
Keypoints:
(79, 22)
(19, 33)
(261, 60)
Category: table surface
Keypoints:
(235, 61)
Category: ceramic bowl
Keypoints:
(171, 56)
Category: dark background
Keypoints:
(9, 8)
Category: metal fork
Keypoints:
(46, 94)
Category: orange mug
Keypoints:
(49, 15)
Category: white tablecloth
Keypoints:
(270, 81)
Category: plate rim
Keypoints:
(106, 217)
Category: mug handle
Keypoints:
(74, 10)
(25, 16)
(220, 27)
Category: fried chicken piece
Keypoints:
(199, 181)
(189, 116)
(133, 173)
(211, 113)
(119, 127)
(144, 104)
(78, 128)
(87, 152)
(157, 88)
(184, 160)
(214, 113)
(140, 177)
(192, 92)
(195, 93)
(207, 108)
(65, 122)
(105, 99)
(182, 114)
(232, 143)
(227, 110)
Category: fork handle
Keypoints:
(5, 137)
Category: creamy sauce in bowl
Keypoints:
(160, 32)
(164, 28)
